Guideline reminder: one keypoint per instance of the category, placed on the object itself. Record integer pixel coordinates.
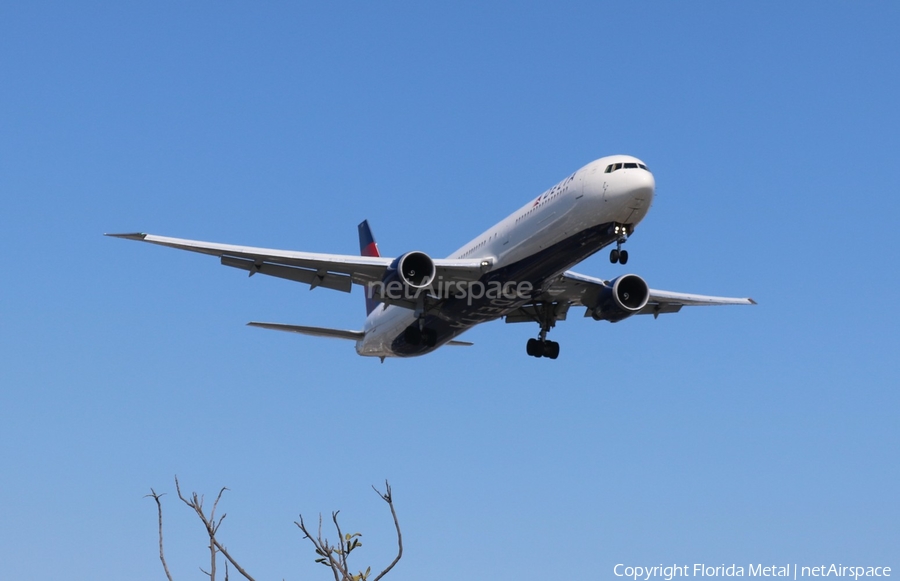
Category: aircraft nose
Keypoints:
(641, 186)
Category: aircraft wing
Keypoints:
(581, 290)
(315, 331)
(326, 332)
(334, 271)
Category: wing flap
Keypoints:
(532, 313)
(314, 278)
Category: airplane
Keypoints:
(517, 270)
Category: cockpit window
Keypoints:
(627, 165)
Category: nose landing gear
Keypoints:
(620, 256)
(617, 254)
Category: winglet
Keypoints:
(367, 244)
(132, 236)
(368, 247)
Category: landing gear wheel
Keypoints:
(623, 257)
(538, 348)
(545, 316)
(551, 349)
(429, 337)
(614, 255)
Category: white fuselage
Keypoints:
(587, 199)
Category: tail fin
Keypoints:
(368, 247)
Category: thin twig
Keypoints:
(321, 546)
(386, 496)
(232, 561)
(162, 556)
(345, 570)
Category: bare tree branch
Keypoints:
(212, 514)
(336, 557)
(196, 503)
(162, 556)
(342, 552)
(325, 552)
(386, 496)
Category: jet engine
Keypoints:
(621, 298)
(414, 270)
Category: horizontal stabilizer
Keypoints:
(315, 331)
(460, 343)
(129, 236)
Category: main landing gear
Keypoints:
(541, 347)
(418, 333)
(617, 254)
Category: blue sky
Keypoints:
(730, 435)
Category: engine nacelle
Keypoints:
(414, 270)
(621, 298)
